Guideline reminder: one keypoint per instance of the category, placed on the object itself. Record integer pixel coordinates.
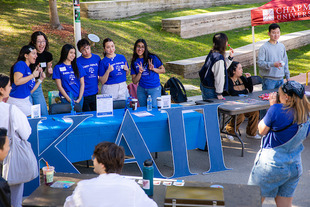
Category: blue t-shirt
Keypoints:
(90, 66)
(278, 118)
(118, 75)
(149, 79)
(24, 90)
(69, 82)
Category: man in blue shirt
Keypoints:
(90, 63)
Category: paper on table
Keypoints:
(187, 111)
(104, 105)
(142, 114)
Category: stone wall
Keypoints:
(109, 10)
(208, 23)
(189, 68)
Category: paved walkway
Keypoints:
(240, 166)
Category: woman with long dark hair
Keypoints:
(239, 84)
(23, 80)
(145, 70)
(69, 76)
(44, 60)
(113, 71)
(213, 74)
(21, 127)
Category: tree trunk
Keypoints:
(54, 19)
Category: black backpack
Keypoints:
(177, 90)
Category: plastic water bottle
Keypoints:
(148, 175)
(149, 103)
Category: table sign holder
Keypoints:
(104, 105)
(166, 101)
(36, 111)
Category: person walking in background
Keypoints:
(5, 192)
(145, 70)
(238, 84)
(90, 63)
(109, 188)
(23, 80)
(21, 127)
(69, 76)
(278, 167)
(213, 74)
(113, 70)
(272, 60)
(44, 60)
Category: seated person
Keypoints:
(238, 84)
(5, 193)
(109, 188)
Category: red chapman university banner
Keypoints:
(281, 11)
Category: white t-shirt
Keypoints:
(20, 121)
(108, 190)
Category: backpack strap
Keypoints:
(178, 82)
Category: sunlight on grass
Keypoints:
(18, 17)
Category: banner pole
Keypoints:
(254, 53)
(77, 24)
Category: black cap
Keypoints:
(291, 87)
(148, 162)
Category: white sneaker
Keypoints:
(254, 137)
(231, 138)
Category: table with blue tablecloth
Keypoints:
(80, 144)
(64, 138)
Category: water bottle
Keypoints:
(149, 103)
(148, 175)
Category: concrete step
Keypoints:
(207, 23)
(189, 68)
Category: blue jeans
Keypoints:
(271, 84)
(207, 93)
(37, 97)
(143, 93)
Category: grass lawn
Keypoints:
(19, 19)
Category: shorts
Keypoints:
(275, 179)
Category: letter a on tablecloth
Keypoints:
(132, 136)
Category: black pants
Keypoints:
(89, 103)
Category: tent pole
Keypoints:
(254, 54)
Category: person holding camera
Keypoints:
(277, 167)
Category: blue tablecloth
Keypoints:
(80, 144)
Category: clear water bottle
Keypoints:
(149, 103)
(148, 175)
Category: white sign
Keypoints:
(104, 105)
(166, 101)
(36, 111)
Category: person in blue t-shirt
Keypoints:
(44, 59)
(69, 76)
(277, 167)
(145, 70)
(90, 63)
(23, 80)
(113, 70)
